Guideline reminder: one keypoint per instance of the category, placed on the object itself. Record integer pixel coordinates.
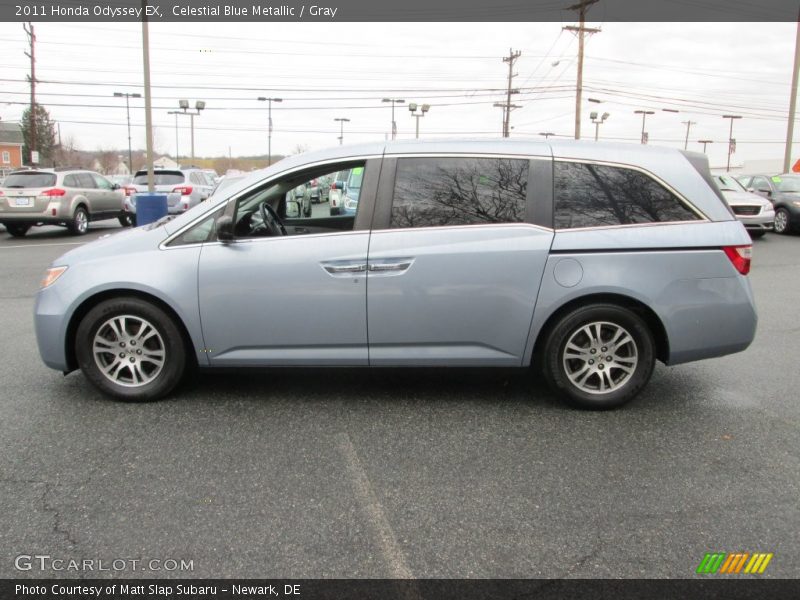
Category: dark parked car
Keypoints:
(784, 193)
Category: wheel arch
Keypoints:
(89, 303)
(649, 316)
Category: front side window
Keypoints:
(301, 203)
(440, 192)
(590, 195)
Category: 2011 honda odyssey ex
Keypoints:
(588, 260)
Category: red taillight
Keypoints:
(129, 191)
(54, 192)
(184, 190)
(740, 256)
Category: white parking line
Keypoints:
(365, 495)
(40, 245)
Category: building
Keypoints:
(10, 147)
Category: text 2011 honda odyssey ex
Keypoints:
(590, 261)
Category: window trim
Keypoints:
(703, 218)
(6, 157)
(359, 225)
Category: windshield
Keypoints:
(727, 183)
(30, 180)
(789, 184)
(167, 178)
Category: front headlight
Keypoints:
(51, 275)
(796, 203)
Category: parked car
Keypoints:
(226, 182)
(336, 192)
(588, 266)
(755, 212)
(352, 191)
(185, 188)
(67, 197)
(784, 193)
(211, 176)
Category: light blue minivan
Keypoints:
(588, 261)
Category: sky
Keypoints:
(324, 71)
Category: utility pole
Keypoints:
(269, 102)
(342, 121)
(688, 127)
(731, 141)
(148, 104)
(127, 97)
(32, 55)
(507, 106)
(644, 114)
(581, 30)
(787, 153)
(705, 143)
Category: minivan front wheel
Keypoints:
(130, 349)
(599, 356)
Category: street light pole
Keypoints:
(177, 152)
(546, 134)
(731, 141)
(413, 109)
(269, 102)
(127, 97)
(688, 127)
(597, 122)
(644, 114)
(705, 143)
(198, 105)
(394, 125)
(342, 121)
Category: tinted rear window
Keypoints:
(30, 180)
(589, 195)
(163, 178)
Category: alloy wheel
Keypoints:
(129, 351)
(600, 357)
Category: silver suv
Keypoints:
(69, 197)
(586, 261)
(185, 188)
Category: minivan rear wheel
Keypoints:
(599, 356)
(130, 349)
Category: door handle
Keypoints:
(388, 267)
(336, 269)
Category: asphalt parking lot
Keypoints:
(352, 473)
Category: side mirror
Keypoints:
(225, 228)
(115, 186)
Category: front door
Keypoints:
(287, 290)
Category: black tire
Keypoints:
(638, 355)
(782, 221)
(17, 230)
(757, 233)
(126, 220)
(136, 312)
(79, 224)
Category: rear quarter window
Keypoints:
(592, 195)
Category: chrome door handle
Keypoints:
(388, 267)
(345, 268)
